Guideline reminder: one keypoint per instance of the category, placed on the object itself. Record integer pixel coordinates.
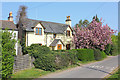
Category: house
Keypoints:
(57, 36)
(11, 28)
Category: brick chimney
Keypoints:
(10, 18)
(68, 21)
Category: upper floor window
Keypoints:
(39, 31)
(68, 33)
(54, 35)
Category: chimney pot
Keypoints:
(10, 18)
(10, 14)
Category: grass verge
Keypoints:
(32, 73)
(29, 73)
(115, 76)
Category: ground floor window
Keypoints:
(67, 46)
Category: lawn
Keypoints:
(30, 73)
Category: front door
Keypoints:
(68, 47)
(59, 47)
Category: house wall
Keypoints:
(47, 38)
(32, 38)
(68, 39)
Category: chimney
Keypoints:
(68, 21)
(10, 18)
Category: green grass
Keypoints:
(86, 62)
(115, 76)
(30, 73)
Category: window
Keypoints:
(68, 33)
(40, 44)
(39, 31)
(67, 46)
(54, 35)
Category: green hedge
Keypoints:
(8, 53)
(85, 54)
(81, 54)
(51, 60)
(36, 50)
(99, 55)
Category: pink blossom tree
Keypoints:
(96, 35)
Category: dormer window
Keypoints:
(54, 35)
(38, 31)
(67, 33)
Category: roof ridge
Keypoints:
(47, 21)
(6, 20)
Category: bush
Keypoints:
(45, 62)
(8, 53)
(85, 54)
(114, 49)
(37, 50)
(107, 49)
(51, 60)
(99, 55)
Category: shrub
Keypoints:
(37, 50)
(99, 54)
(51, 60)
(114, 49)
(85, 54)
(8, 53)
(45, 62)
(103, 54)
(107, 49)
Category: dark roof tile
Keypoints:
(50, 27)
(7, 24)
(55, 42)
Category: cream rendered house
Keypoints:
(54, 35)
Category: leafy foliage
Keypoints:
(94, 36)
(8, 53)
(119, 43)
(50, 61)
(108, 49)
(83, 23)
(37, 50)
(99, 55)
(85, 54)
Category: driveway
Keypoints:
(94, 70)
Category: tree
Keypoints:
(83, 23)
(8, 53)
(96, 18)
(94, 36)
(20, 18)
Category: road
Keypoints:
(94, 70)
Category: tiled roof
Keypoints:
(50, 27)
(55, 42)
(7, 24)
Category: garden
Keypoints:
(93, 42)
